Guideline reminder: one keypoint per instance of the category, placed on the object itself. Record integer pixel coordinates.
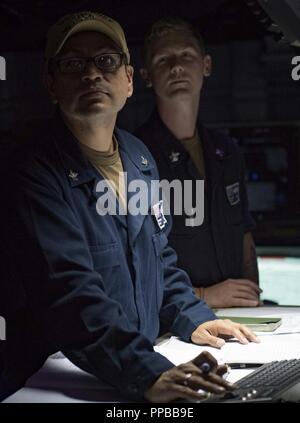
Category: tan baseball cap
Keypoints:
(84, 21)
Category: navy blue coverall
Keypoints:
(213, 251)
(99, 288)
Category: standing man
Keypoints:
(219, 255)
(98, 287)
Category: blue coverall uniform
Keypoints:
(99, 288)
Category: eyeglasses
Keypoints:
(106, 62)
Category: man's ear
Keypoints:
(207, 65)
(49, 85)
(145, 76)
(129, 73)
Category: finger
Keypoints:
(212, 383)
(205, 356)
(240, 302)
(249, 334)
(250, 284)
(220, 381)
(186, 370)
(242, 295)
(239, 331)
(222, 369)
(208, 358)
(189, 367)
(243, 336)
(227, 327)
(209, 381)
(176, 375)
(192, 370)
(204, 337)
(207, 384)
(183, 373)
(185, 392)
(247, 294)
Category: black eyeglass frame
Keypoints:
(56, 62)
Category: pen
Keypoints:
(244, 365)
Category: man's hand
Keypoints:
(209, 332)
(184, 381)
(232, 293)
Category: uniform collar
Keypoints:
(143, 162)
(77, 167)
(136, 161)
(216, 143)
(173, 150)
(176, 153)
(216, 149)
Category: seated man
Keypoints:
(98, 286)
(218, 254)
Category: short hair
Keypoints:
(167, 25)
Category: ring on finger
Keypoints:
(205, 394)
(186, 379)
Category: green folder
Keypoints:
(257, 324)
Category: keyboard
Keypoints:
(266, 384)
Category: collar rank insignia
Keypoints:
(174, 156)
(144, 161)
(219, 153)
(73, 175)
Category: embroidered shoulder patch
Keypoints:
(233, 193)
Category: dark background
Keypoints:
(250, 93)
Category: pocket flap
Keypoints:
(105, 255)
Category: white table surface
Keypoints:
(59, 381)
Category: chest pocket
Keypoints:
(160, 241)
(106, 260)
(105, 256)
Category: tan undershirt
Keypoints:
(110, 166)
(194, 147)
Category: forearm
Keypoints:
(181, 311)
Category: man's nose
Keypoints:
(91, 72)
(176, 66)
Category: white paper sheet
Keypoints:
(280, 347)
